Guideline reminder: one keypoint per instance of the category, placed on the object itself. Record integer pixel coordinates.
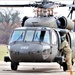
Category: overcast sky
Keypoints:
(29, 11)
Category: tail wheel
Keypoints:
(64, 66)
(14, 66)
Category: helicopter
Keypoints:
(39, 39)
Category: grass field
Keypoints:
(3, 52)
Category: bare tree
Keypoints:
(9, 19)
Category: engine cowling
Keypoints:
(41, 22)
(65, 23)
(51, 22)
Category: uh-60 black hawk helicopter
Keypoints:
(39, 39)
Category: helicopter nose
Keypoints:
(28, 52)
(33, 52)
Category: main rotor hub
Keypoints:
(42, 12)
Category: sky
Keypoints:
(28, 11)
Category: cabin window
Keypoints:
(17, 36)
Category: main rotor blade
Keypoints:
(66, 5)
(13, 5)
(22, 5)
(50, 5)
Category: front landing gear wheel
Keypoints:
(64, 66)
(14, 66)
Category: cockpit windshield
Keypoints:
(30, 36)
(42, 36)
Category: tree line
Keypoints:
(9, 19)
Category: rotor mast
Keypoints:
(44, 12)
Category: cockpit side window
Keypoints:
(54, 38)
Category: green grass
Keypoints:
(3, 52)
(74, 60)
